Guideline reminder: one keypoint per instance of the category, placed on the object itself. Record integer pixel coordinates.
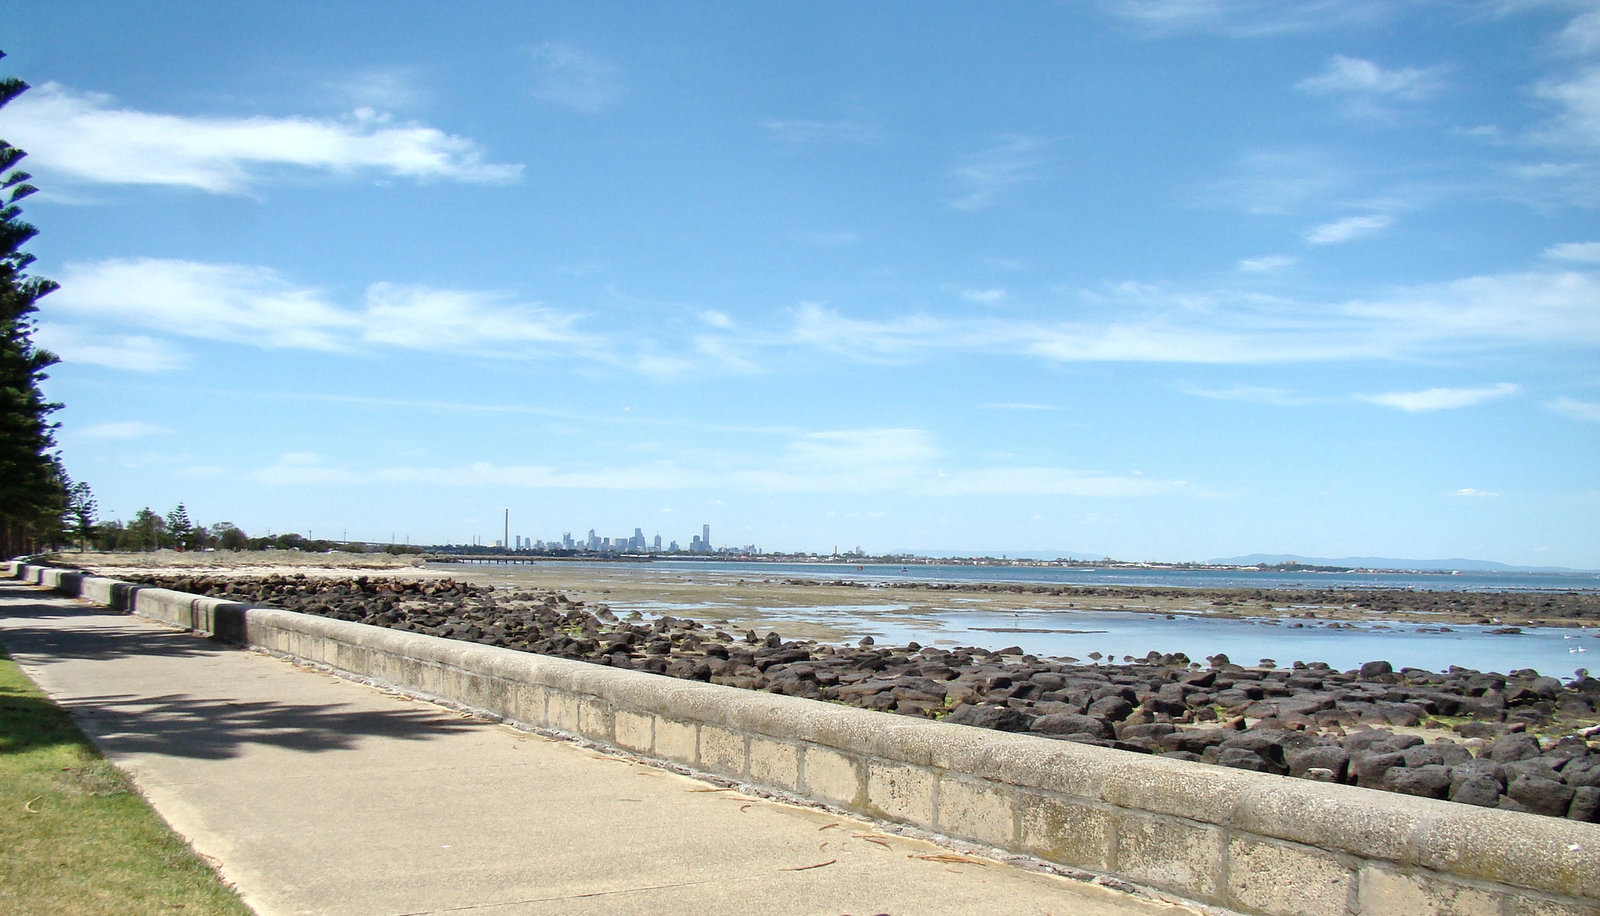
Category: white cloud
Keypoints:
(1279, 182)
(984, 176)
(1246, 18)
(95, 347)
(384, 89)
(574, 78)
(228, 302)
(1585, 252)
(1470, 493)
(118, 430)
(1267, 264)
(834, 461)
(1348, 229)
(1582, 34)
(1250, 394)
(716, 319)
(462, 321)
(1136, 322)
(1440, 398)
(828, 239)
(80, 135)
(801, 132)
(1353, 76)
(257, 306)
(992, 296)
(1578, 410)
(1578, 123)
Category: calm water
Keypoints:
(1079, 634)
(1175, 578)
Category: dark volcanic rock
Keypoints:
(1292, 720)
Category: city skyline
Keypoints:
(1157, 280)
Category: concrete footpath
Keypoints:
(315, 794)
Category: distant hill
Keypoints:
(1267, 559)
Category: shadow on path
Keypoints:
(204, 724)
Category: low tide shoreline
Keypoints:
(1516, 741)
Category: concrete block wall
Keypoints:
(1248, 842)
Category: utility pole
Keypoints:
(506, 544)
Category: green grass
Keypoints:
(74, 836)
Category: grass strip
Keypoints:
(75, 838)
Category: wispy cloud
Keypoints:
(1246, 18)
(1440, 398)
(1472, 493)
(983, 177)
(382, 89)
(1155, 324)
(1578, 410)
(908, 461)
(804, 132)
(82, 136)
(1583, 252)
(828, 239)
(1349, 229)
(1577, 100)
(990, 296)
(1278, 182)
(1364, 83)
(94, 346)
(1581, 35)
(574, 78)
(256, 306)
(118, 430)
(1249, 394)
(1267, 264)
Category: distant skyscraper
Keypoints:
(705, 535)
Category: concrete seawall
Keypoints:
(1245, 841)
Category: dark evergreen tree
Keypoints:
(81, 509)
(179, 526)
(33, 496)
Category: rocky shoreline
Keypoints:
(1517, 741)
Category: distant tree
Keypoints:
(147, 531)
(179, 527)
(81, 509)
(32, 484)
(110, 536)
(227, 536)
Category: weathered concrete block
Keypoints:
(1549, 854)
(1363, 822)
(1524, 905)
(1180, 788)
(634, 731)
(1071, 831)
(1169, 853)
(1288, 878)
(899, 792)
(595, 719)
(1389, 892)
(722, 751)
(775, 764)
(833, 777)
(977, 811)
(562, 710)
(677, 741)
(528, 704)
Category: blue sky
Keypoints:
(1158, 280)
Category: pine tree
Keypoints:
(179, 526)
(32, 484)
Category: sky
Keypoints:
(1148, 279)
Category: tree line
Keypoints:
(149, 530)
